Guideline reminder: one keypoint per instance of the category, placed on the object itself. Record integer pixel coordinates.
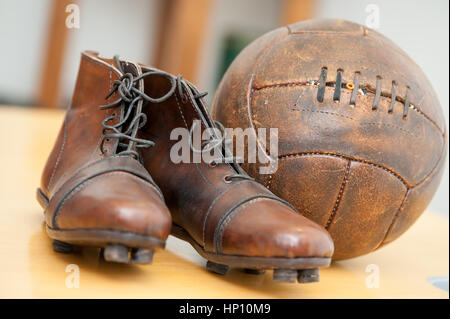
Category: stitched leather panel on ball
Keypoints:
(361, 132)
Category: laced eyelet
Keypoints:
(212, 164)
(227, 179)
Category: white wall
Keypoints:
(108, 26)
(127, 28)
(231, 16)
(22, 27)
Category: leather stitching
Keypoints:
(395, 174)
(103, 229)
(88, 166)
(211, 206)
(59, 155)
(229, 218)
(287, 84)
(390, 171)
(93, 176)
(395, 218)
(187, 127)
(69, 196)
(301, 109)
(339, 197)
(181, 112)
(239, 204)
(268, 181)
(88, 182)
(101, 63)
(402, 205)
(108, 112)
(250, 84)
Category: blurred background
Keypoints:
(41, 41)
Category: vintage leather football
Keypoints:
(362, 137)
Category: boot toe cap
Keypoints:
(271, 229)
(116, 201)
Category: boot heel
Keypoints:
(62, 247)
(116, 253)
(217, 268)
(252, 271)
(141, 256)
(308, 275)
(285, 275)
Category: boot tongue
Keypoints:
(199, 106)
(207, 120)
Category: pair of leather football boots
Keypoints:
(110, 182)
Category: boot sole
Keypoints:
(116, 246)
(301, 269)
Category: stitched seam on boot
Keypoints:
(100, 160)
(88, 182)
(187, 127)
(108, 112)
(212, 205)
(218, 229)
(59, 155)
(229, 218)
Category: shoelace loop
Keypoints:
(130, 102)
(217, 141)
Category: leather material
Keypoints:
(88, 174)
(240, 217)
(116, 201)
(363, 160)
(91, 189)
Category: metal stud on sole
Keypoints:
(141, 256)
(308, 275)
(254, 271)
(62, 247)
(285, 275)
(116, 253)
(217, 268)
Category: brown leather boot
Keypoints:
(230, 219)
(94, 189)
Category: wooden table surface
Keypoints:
(29, 268)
